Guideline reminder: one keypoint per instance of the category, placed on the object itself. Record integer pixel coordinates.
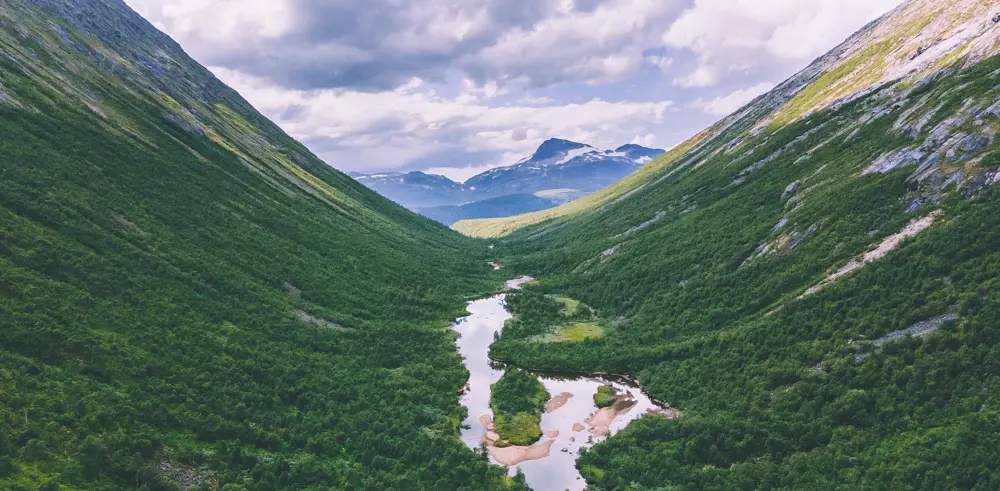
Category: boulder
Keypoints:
(791, 191)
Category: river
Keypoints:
(572, 420)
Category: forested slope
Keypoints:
(190, 297)
(812, 281)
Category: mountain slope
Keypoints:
(915, 42)
(190, 297)
(562, 164)
(811, 281)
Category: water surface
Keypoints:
(557, 471)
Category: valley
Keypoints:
(803, 296)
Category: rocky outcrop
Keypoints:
(895, 160)
(786, 242)
(791, 191)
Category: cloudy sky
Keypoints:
(458, 86)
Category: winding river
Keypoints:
(572, 421)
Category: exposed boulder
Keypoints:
(973, 144)
(895, 160)
(791, 191)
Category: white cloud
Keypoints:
(535, 101)
(647, 140)
(703, 76)
(361, 83)
(725, 34)
(218, 21)
(663, 63)
(354, 130)
(728, 104)
(376, 44)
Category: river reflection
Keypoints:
(574, 421)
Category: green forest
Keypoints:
(782, 389)
(190, 299)
(175, 315)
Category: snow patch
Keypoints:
(572, 154)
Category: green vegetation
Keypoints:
(777, 390)
(518, 400)
(168, 295)
(570, 306)
(189, 296)
(550, 318)
(831, 85)
(605, 396)
(577, 333)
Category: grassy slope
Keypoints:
(188, 295)
(769, 383)
(863, 62)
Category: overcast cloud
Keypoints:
(462, 85)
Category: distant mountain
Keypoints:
(563, 164)
(558, 171)
(503, 206)
(416, 189)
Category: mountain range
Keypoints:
(559, 171)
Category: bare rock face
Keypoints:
(895, 160)
(791, 191)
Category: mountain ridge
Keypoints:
(811, 280)
(877, 54)
(555, 164)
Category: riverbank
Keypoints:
(570, 422)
